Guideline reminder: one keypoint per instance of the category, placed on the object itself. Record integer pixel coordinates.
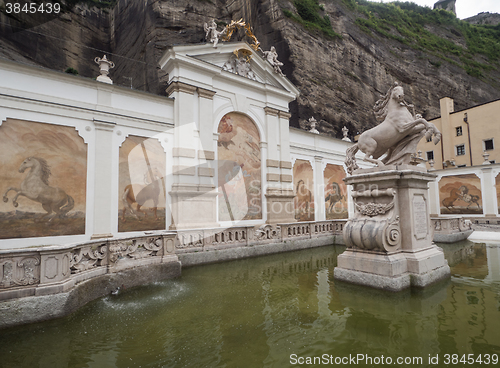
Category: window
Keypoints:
(488, 144)
(460, 150)
(459, 130)
(430, 155)
(429, 139)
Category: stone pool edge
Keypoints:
(31, 309)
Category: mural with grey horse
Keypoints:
(43, 180)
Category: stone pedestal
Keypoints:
(193, 207)
(389, 238)
(280, 207)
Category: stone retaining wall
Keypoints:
(41, 283)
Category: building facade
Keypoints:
(469, 136)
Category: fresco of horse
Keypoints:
(333, 197)
(304, 197)
(35, 186)
(454, 195)
(304, 193)
(335, 192)
(149, 192)
(469, 198)
(142, 188)
(460, 194)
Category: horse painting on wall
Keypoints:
(460, 195)
(43, 180)
(239, 169)
(142, 192)
(304, 190)
(335, 192)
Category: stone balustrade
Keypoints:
(450, 229)
(189, 241)
(54, 269)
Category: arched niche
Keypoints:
(59, 153)
(303, 184)
(141, 185)
(239, 173)
(335, 192)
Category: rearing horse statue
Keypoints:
(397, 134)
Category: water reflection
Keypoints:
(257, 312)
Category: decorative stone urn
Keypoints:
(104, 66)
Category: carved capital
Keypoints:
(271, 111)
(205, 93)
(284, 115)
(180, 87)
(104, 125)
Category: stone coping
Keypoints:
(391, 172)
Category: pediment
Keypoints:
(237, 58)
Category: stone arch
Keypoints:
(229, 109)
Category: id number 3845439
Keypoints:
(32, 8)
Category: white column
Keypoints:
(285, 157)
(488, 192)
(103, 170)
(193, 196)
(206, 154)
(319, 190)
(272, 161)
(434, 209)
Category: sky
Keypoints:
(465, 8)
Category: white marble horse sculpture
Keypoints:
(397, 135)
(35, 186)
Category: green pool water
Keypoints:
(278, 311)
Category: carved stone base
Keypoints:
(389, 238)
(393, 272)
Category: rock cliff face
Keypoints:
(487, 18)
(339, 79)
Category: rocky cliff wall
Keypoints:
(339, 79)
